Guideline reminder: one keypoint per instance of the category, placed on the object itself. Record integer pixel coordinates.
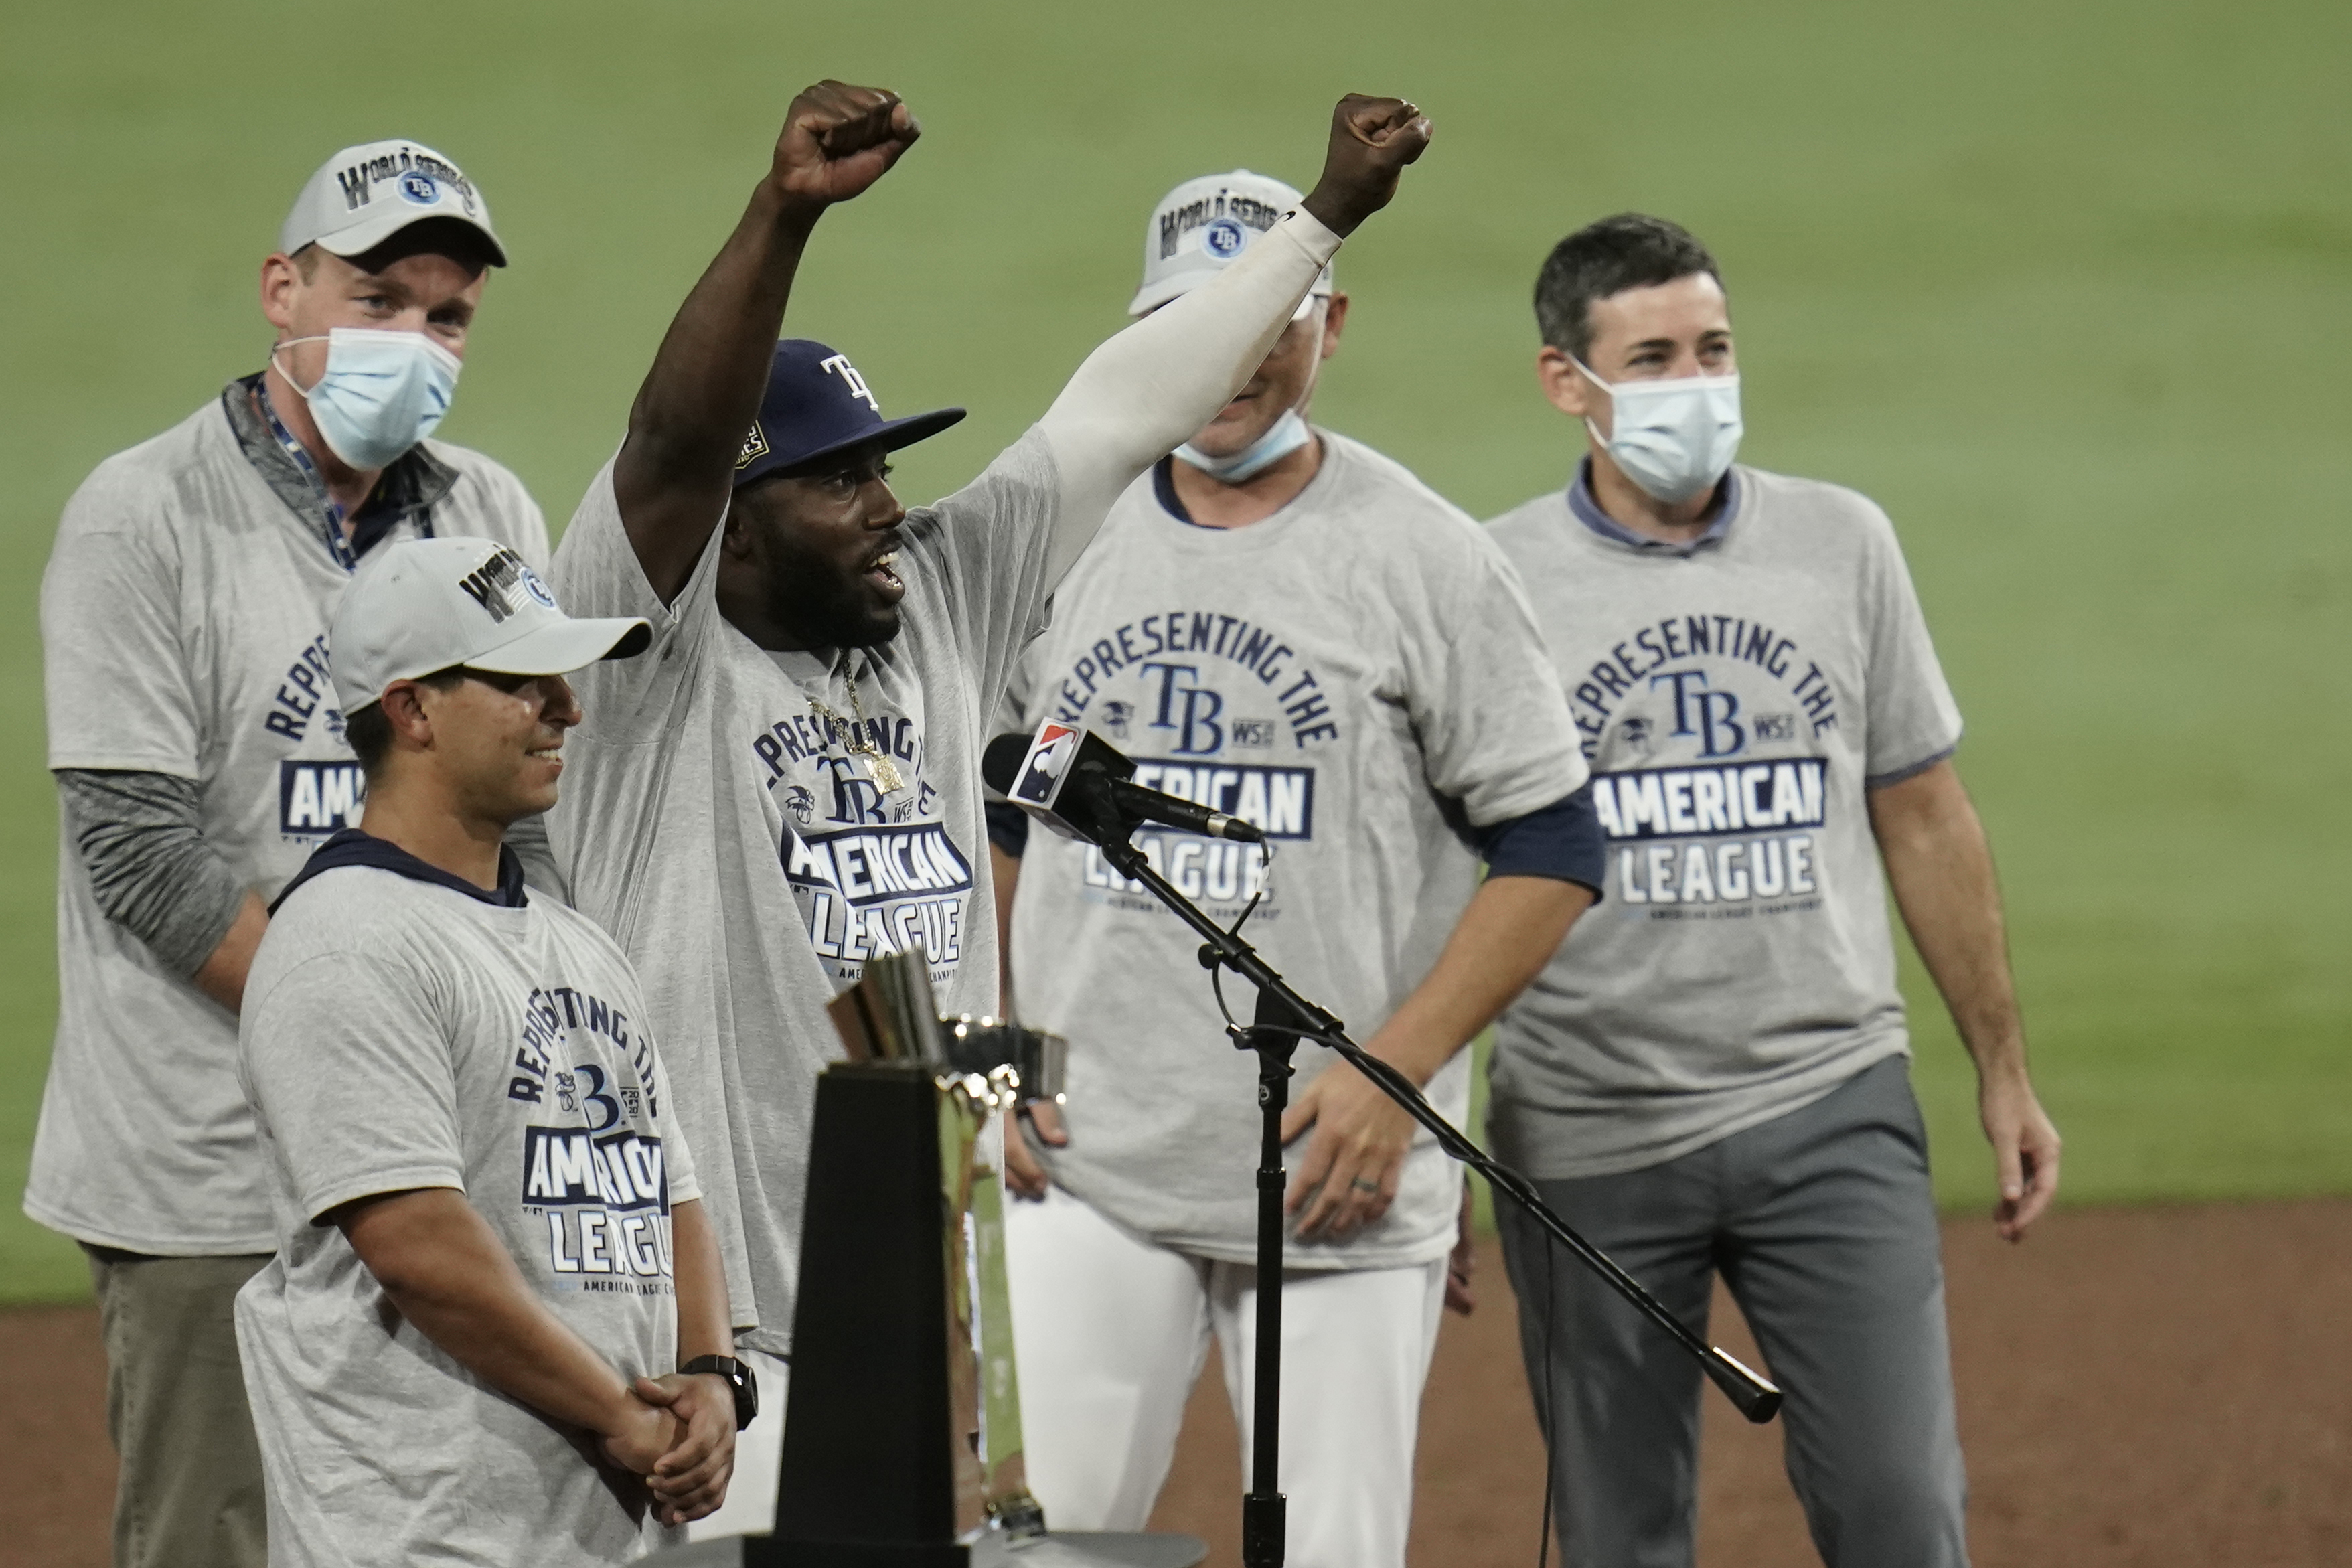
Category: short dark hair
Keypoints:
(1631, 250)
(369, 733)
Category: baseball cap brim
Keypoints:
(565, 646)
(362, 237)
(890, 436)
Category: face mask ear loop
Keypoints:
(1590, 429)
(300, 390)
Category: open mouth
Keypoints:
(884, 575)
(554, 753)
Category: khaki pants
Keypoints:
(189, 1494)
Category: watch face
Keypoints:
(740, 1377)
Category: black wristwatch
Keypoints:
(738, 1377)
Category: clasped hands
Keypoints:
(678, 1435)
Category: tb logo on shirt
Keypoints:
(1712, 717)
(1186, 707)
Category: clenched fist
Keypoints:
(1372, 138)
(837, 141)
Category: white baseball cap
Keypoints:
(424, 605)
(1201, 225)
(363, 196)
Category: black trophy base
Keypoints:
(1059, 1549)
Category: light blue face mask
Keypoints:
(1289, 434)
(1673, 437)
(382, 392)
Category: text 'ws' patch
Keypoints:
(564, 1166)
(315, 799)
(1277, 802)
(1684, 803)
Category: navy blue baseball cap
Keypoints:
(817, 404)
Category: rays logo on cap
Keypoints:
(839, 366)
(1224, 238)
(419, 188)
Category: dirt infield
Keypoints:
(2138, 1387)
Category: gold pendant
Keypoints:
(887, 777)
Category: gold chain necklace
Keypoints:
(879, 768)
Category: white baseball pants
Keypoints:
(1110, 1332)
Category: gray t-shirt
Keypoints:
(1360, 675)
(743, 855)
(184, 620)
(1736, 699)
(401, 1035)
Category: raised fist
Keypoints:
(1372, 138)
(838, 140)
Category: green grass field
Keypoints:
(2063, 286)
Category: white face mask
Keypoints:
(1674, 438)
(382, 392)
(1289, 432)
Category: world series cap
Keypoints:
(816, 405)
(363, 196)
(426, 605)
(1202, 226)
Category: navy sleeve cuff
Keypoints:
(1562, 841)
(1008, 827)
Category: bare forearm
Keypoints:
(448, 1274)
(704, 1322)
(686, 427)
(1940, 865)
(1005, 874)
(1504, 937)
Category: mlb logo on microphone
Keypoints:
(1048, 759)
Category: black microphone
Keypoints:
(1079, 785)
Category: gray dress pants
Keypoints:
(189, 1494)
(1823, 1227)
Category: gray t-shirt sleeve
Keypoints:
(595, 573)
(1913, 721)
(1493, 724)
(347, 1060)
(115, 671)
(149, 867)
(993, 543)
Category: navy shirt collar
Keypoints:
(353, 848)
(1587, 507)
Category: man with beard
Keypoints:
(787, 784)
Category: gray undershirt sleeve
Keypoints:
(149, 865)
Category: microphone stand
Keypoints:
(1284, 1018)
